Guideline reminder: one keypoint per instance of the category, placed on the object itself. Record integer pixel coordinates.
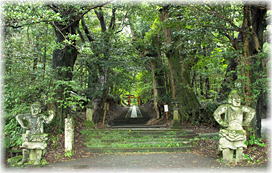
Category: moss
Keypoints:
(15, 161)
(176, 124)
(88, 124)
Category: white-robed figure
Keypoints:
(34, 140)
(233, 136)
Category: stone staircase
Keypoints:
(129, 121)
(138, 138)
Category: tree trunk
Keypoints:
(254, 24)
(207, 87)
(64, 58)
(228, 82)
(155, 89)
(179, 68)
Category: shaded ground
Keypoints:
(146, 162)
(140, 161)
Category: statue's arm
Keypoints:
(250, 113)
(217, 115)
(20, 118)
(50, 117)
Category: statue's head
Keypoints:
(234, 98)
(35, 108)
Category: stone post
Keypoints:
(69, 134)
(176, 117)
(89, 114)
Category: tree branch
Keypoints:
(101, 19)
(112, 22)
(123, 21)
(78, 17)
(212, 12)
(86, 30)
(26, 24)
(215, 13)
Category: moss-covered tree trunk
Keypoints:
(102, 70)
(179, 69)
(254, 24)
(155, 89)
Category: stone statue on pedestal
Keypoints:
(34, 140)
(233, 116)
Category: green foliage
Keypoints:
(253, 140)
(21, 14)
(88, 124)
(251, 159)
(12, 133)
(70, 99)
(15, 161)
(69, 154)
(248, 157)
(54, 140)
(115, 63)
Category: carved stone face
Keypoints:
(35, 109)
(236, 101)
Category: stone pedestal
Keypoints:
(35, 156)
(239, 154)
(227, 154)
(33, 150)
(69, 134)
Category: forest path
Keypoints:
(119, 159)
(134, 112)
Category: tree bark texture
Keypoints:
(155, 89)
(253, 26)
(179, 70)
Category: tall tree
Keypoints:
(179, 68)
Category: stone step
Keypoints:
(156, 142)
(144, 130)
(145, 139)
(128, 121)
(136, 126)
(153, 149)
(150, 134)
(148, 140)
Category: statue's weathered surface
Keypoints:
(34, 140)
(232, 135)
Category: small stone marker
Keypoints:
(176, 115)
(89, 114)
(232, 135)
(69, 134)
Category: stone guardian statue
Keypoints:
(233, 116)
(34, 140)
